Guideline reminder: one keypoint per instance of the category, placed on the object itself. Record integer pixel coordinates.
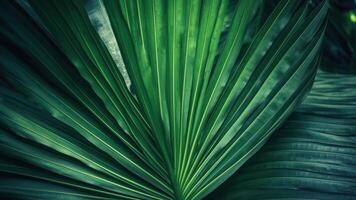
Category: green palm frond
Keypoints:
(312, 156)
(207, 90)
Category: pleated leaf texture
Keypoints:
(207, 88)
(313, 156)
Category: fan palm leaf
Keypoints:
(206, 92)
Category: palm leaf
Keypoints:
(312, 156)
(207, 90)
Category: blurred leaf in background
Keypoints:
(340, 43)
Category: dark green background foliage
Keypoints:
(157, 99)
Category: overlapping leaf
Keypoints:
(312, 156)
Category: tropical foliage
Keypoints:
(195, 89)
